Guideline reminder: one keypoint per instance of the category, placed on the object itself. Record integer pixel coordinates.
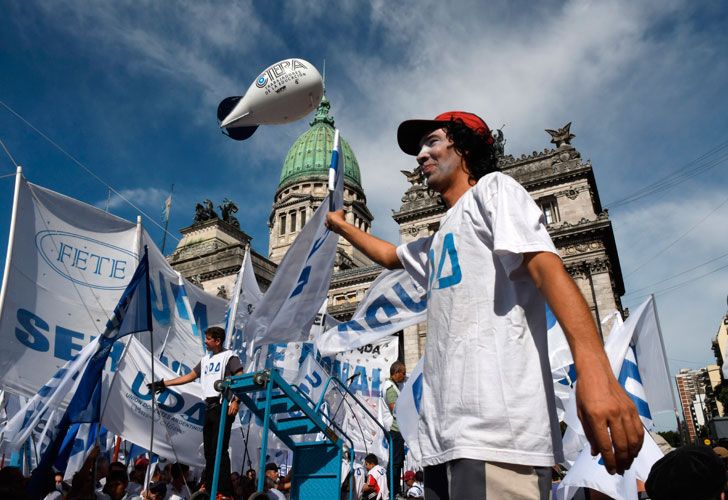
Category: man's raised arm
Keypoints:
(380, 251)
(609, 417)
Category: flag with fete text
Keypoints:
(131, 315)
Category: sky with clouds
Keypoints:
(130, 88)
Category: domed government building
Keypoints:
(562, 184)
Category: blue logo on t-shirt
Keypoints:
(449, 251)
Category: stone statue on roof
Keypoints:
(562, 136)
(204, 211)
(227, 209)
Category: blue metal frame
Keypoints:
(363, 407)
(292, 399)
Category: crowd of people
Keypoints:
(100, 479)
(692, 472)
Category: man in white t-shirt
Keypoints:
(390, 392)
(488, 419)
(217, 364)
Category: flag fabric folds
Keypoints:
(393, 302)
(407, 410)
(245, 298)
(131, 315)
(586, 471)
(179, 410)
(288, 308)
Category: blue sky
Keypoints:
(130, 89)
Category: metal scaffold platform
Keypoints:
(290, 414)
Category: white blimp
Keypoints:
(284, 92)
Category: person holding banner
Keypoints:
(487, 406)
(217, 364)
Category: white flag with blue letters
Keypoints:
(289, 306)
(179, 410)
(70, 263)
(393, 302)
(588, 471)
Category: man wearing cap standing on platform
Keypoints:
(488, 421)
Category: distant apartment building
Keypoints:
(692, 393)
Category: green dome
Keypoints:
(310, 155)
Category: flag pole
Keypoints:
(11, 237)
(167, 209)
(667, 369)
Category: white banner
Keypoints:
(589, 472)
(244, 300)
(70, 264)
(393, 302)
(179, 413)
(39, 408)
(181, 313)
(407, 410)
(290, 304)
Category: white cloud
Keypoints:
(144, 198)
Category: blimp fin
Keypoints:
(226, 106)
(240, 133)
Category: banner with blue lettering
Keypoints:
(70, 264)
(288, 308)
(181, 312)
(392, 303)
(179, 410)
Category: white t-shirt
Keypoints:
(212, 369)
(379, 474)
(417, 490)
(359, 473)
(487, 391)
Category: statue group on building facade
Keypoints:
(205, 211)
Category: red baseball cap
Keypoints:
(410, 132)
(408, 476)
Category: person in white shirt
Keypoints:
(216, 365)
(487, 407)
(413, 480)
(375, 487)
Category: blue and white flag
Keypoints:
(50, 396)
(407, 410)
(393, 302)
(589, 472)
(178, 414)
(289, 307)
(131, 315)
(78, 442)
(245, 299)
